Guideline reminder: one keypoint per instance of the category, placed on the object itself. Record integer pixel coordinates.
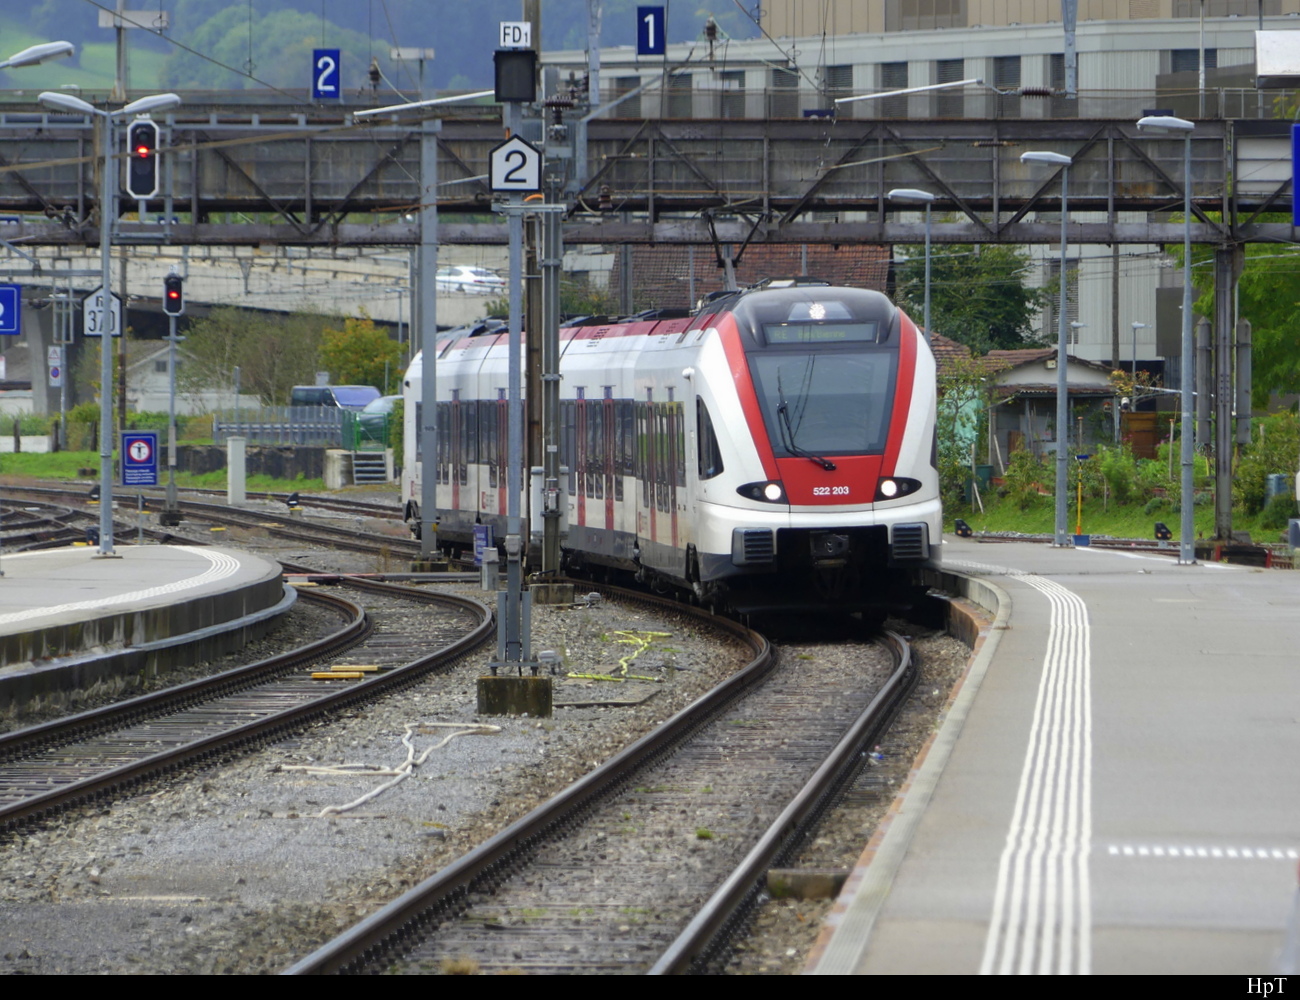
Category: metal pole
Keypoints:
(509, 643)
(1187, 543)
(1226, 261)
(552, 493)
(107, 209)
(171, 416)
(427, 275)
(1062, 383)
(927, 272)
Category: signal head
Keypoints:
(142, 159)
(173, 295)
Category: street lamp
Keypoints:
(1136, 327)
(107, 211)
(1062, 385)
(917, 195)
(1167, 123)
(34, 54)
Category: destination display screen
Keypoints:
(819, 333)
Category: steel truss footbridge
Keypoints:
(263, 179)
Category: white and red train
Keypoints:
(775, 450)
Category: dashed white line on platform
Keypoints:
(1209, 852)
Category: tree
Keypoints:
(1268, 295)
(962, 411)
(273, 353)
(362, 354)
(978, 295)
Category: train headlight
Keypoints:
(768, 492)
(893, 487)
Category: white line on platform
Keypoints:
(1042, 908)
(1231, 853)
(221, 566)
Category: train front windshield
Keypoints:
(823, 362)
(826, 402)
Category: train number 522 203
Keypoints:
(830, 491)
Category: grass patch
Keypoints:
(1113, 520)
(66, 465)
(703, 833)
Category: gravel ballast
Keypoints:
(233, 869)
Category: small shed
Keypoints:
(1023, 405)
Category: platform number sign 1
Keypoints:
(650, 31)
(325, 75)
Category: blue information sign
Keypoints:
(325, 85)
(11, 310)
(650, 31)
(1295, 162)
(140, 458)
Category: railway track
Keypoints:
(578, 885)
(71, 512)
(52, 766)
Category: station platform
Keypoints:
(72, 622)
(1114, 788)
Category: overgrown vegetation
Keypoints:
(1124, 496)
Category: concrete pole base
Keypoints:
(502, 695)
(552, 593)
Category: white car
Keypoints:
(466, 278)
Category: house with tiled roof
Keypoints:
(1022, 412)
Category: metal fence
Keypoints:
(318, 426)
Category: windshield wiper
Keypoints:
(787, 439)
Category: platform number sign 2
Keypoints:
(515, 165)
(325, 75)
(650, 31)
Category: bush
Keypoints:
(1120, 470)
(1280, 508)
(1025, 478)
(83, 421)
(1272, 449)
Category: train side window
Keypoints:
(469, 413)
(568, 452)
(709, 455)
(643, 451)
(679, 443)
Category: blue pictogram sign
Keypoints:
(140, 458)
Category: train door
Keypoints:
(673, 430)
(503, 450)
(608, 456)
(581, 454)
(455, 434)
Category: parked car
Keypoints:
(346, 397)
(475, 280)
(372, 420)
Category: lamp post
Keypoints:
(917, 195)
(107, 211)
(1167, 123)
(1062, 384)
(1133, 370)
